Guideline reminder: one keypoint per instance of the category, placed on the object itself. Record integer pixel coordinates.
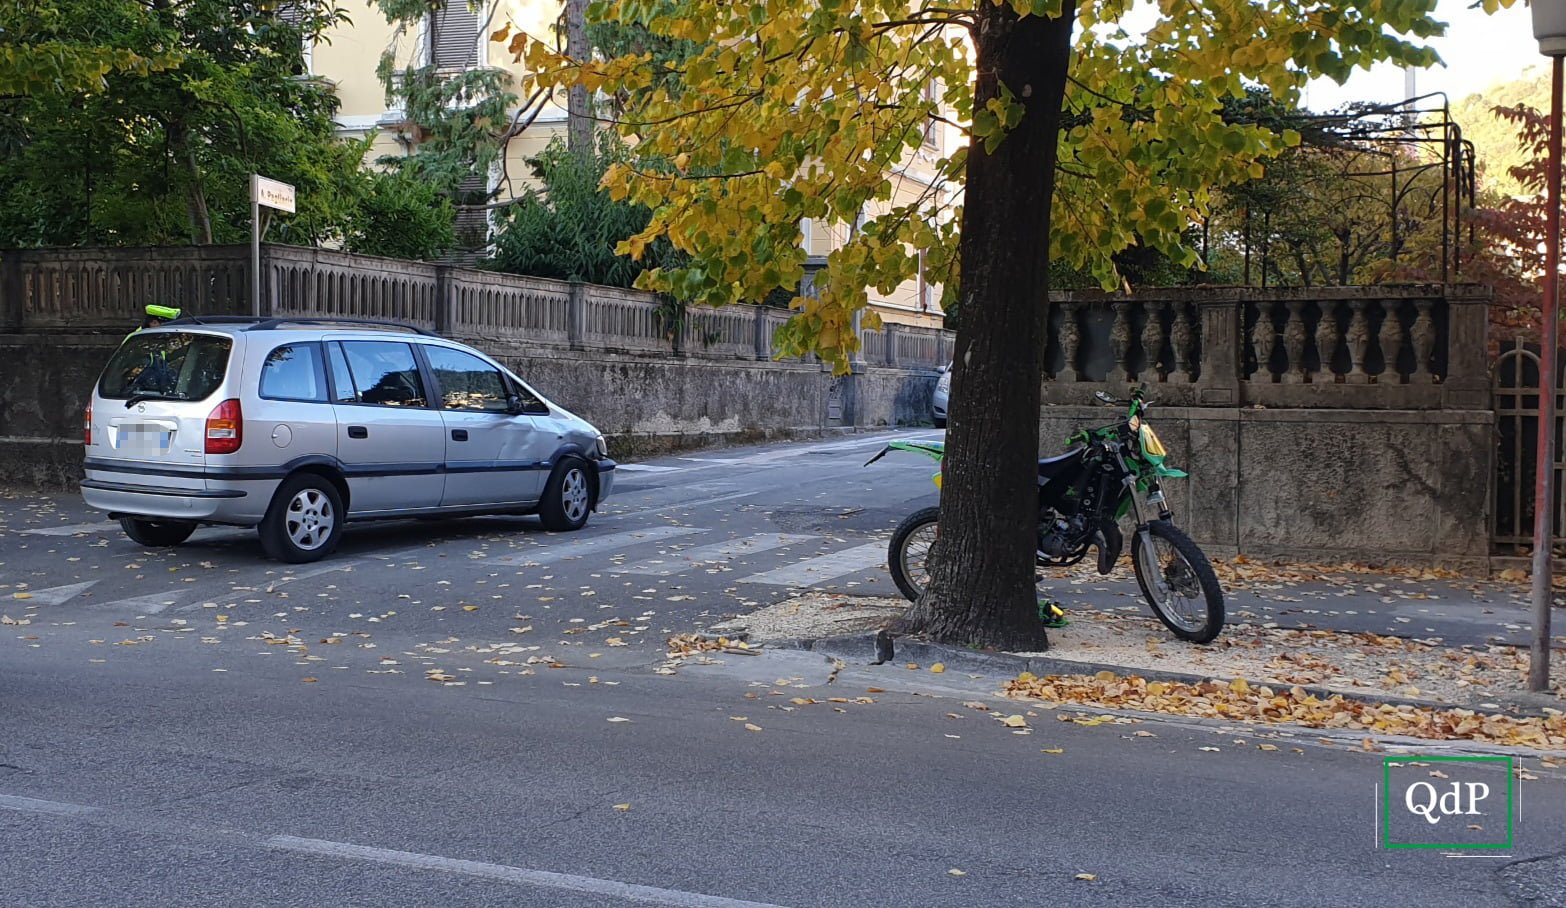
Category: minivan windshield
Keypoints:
(166, 365)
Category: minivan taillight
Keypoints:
(87, 425)
(225, 428)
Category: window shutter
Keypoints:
(454, 36)
(472, 221)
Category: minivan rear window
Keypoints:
(166, 365)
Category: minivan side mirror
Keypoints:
(514, 405)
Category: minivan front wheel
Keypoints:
(568, 496)
(305, 520)
(157, 533)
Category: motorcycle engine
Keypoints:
(1059, 536)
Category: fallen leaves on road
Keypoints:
(622, 807)
(955, 872)
(1087, 877)
(683, 645)
(1237, 700)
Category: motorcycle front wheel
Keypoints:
(908, 555)
(1178, 581)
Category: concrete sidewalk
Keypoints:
(1419, 604)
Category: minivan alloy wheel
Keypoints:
(309, 519)
(573, 494)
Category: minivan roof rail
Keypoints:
(268, 323)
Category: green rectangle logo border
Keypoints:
(1386, 799)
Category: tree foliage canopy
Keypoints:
(141, 122)
(569, 228)
(790, 111)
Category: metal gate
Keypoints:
(1516, 388)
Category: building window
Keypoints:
(932, 128)
(292, 14)
(453, 36)
(924, 286)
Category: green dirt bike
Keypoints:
(1109, 471)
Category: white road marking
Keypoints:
(718, 553)
(564, 546)
(647, 468)
(153, 603)
(682, 505)
(768, 457)
(72, 529)
(147, 604)
(58, 595)
(33, 805)
(825, 567)
(629, 891)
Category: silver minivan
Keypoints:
(298, 426)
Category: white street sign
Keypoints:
(271, 193)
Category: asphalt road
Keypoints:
(199, 726)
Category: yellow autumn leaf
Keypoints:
(752, 727)
(622, 807)
(938, 668)
(1052, 750)
(470, 608)
(1014, 721)
(1086, 877)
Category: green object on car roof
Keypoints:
(164, 312)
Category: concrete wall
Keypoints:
(644, 404)
(1389, 487)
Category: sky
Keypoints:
(1478, 50)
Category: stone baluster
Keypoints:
(1152, 340)
(1294, 343)
(1264, 339)
(1423, 333)
(1327, 342)
(1391, 339)
(1181, 338)
(1120, 343)
(1358, 342)
(1070, 340)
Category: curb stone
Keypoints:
(860, 649)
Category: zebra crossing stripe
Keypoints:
(554, 548)
(814, 570)
(718, 553)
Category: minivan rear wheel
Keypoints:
(157, 533)
(305, 520)
(568, 496)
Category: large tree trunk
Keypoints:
(579, 123)
(195, 191)
(982, 583)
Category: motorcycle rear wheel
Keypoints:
(908, 554)
(1178, 582)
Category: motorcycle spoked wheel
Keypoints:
(908, 553)
(1178, 582)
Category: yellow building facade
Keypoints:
(457, 38)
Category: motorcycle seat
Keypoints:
(1050, 466)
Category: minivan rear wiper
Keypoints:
(135, 399)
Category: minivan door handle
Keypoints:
(459, 434)
(358, 432)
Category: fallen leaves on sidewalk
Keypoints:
(1238, 700)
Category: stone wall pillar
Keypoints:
(10, 290)
(1466, 385)
(1219, 383)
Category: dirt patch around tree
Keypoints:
(1351, 663)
